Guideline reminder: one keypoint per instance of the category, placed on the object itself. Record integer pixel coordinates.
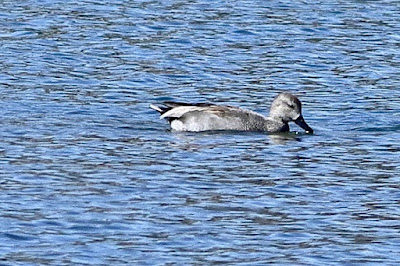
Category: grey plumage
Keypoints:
(203, 116)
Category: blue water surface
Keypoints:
(90, 175)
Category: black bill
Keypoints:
(300, 121)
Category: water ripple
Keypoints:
(90, 175)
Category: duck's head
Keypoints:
(287, 108)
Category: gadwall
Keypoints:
(203, 116)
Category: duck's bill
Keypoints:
(300, 121)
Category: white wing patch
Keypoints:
(179, 111)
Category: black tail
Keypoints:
(163, 109)
(159, 108)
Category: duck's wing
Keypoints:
(178, 110)
(177, 104)
(167, 106)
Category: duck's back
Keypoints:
(202, 117)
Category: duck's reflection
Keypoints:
(282, 139)
(212, 139)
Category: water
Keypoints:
(90, 175)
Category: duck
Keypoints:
(197, 117)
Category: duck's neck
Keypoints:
(285, 128)
(276, 125)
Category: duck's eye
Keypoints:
(291, 105)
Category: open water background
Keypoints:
(90, 175)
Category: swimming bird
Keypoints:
(285, 108)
